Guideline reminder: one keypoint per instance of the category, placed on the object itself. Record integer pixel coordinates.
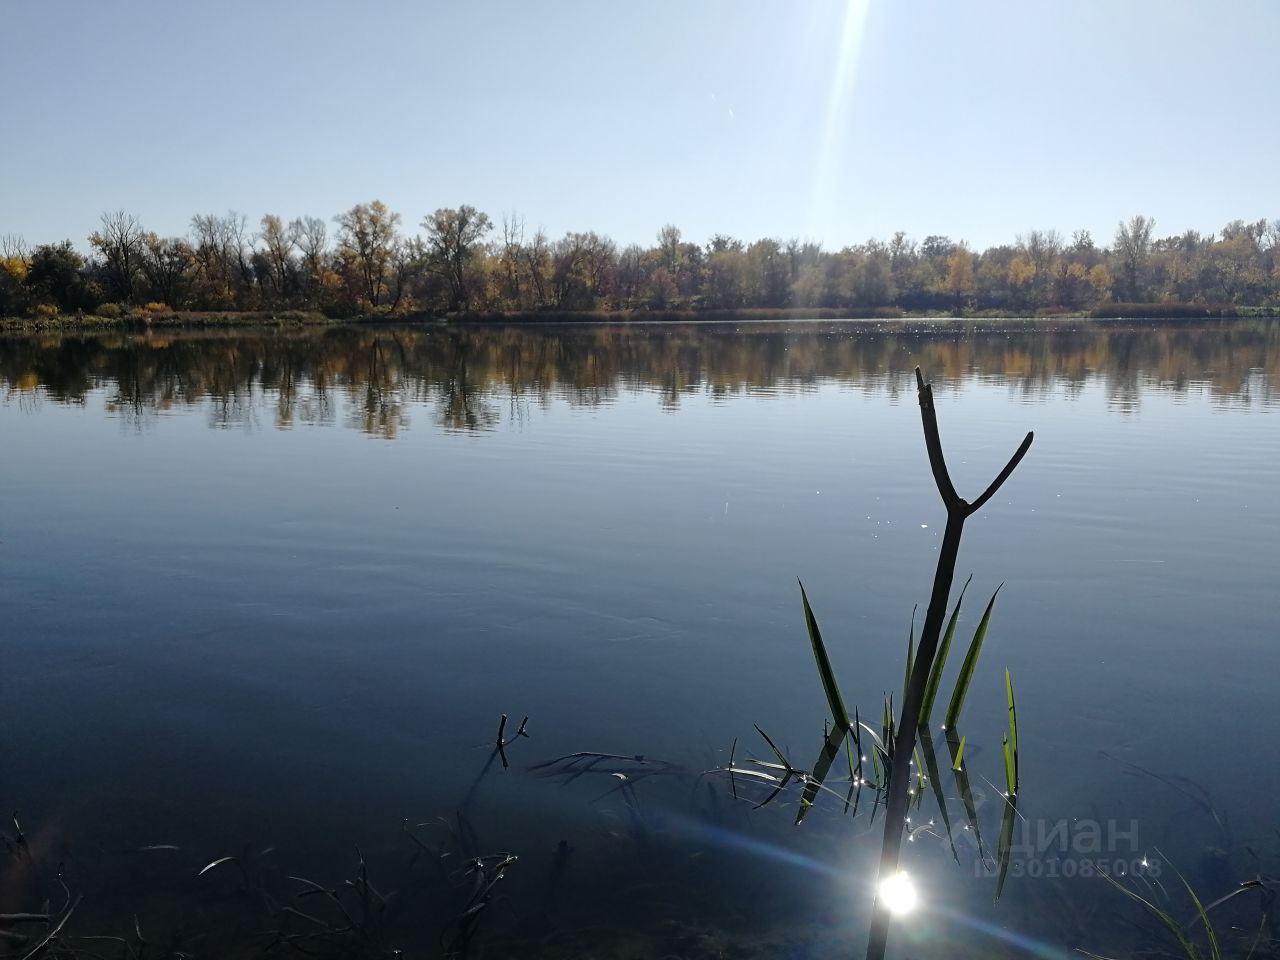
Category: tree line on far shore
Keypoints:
(460, 261)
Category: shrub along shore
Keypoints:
(152, 317)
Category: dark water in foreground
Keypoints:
(270, 592)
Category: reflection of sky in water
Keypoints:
(299, 637)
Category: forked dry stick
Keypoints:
(958, 511)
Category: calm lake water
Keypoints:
(265, 595)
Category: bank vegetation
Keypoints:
(366, 263)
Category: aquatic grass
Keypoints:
(969, 665)
(896, 747)
(1185, 944)
(960, 771)
(825, 671)
(1182, 932)
(1011, 742)
(939, 661)
(935, 780)
(1004, 846)
(1215, 952)
(821, 768)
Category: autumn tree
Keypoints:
(537, 259)
(409, 260)
(632, 275)
(278, 241)
(959, 283)
(14, 268)
(169, 265)
(223, 260)
(120, 243)
(767, 279)
(872, 280)
(55, 275)
(725, 272)
(312, 240)
(582, 270)
(367, 237)
(1133, 249)
(453, 239)
(1040, 249)
(509, 253)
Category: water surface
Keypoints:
(273, 589)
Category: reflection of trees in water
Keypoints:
(376, 401)
(468, 375)
(464, 405)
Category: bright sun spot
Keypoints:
(898, 894)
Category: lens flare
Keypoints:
(898, 894)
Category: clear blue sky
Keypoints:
(829, 120)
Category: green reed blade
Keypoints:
(830, 750)
(1008, 767)
(1215, 951)
(1013, 729)
(1172, 925)
(955, 745)
(876, 751)
(940, 660)
(875, 737)
(970, 665)
(931, 764)
(1244, 887)
(825, 672)
(1005, 846)
(774, 747)
(855, 740)
(854, 796)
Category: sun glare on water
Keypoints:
(898, 894)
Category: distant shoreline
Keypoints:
(143, 320)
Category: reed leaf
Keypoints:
(1009, 785)
(940, 660)
(955, 745)
(825, 672)
(830, 750)
(1170, 924)
(217, 863)
(855, 742)
(785, 765)
(931, 764)
(1005, 846)
(1244, 887)
(1013, 730)
(1215, 952)
(970, 665)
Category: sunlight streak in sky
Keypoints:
(828, 175)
